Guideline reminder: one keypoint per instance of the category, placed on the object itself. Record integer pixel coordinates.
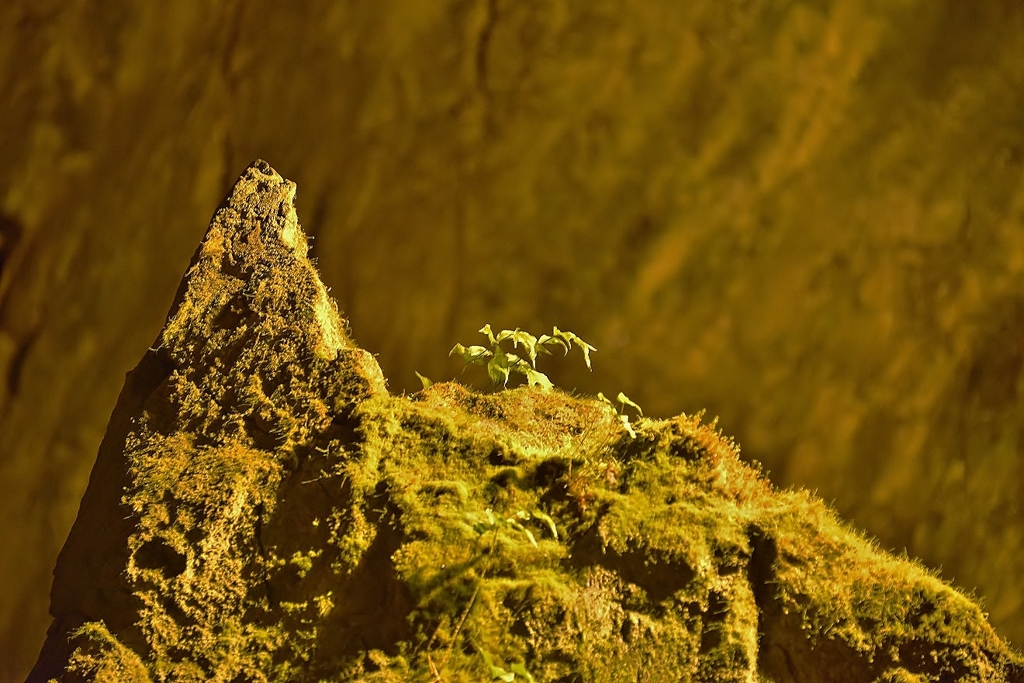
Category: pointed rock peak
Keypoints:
(256, 341)
(251, 274)
(266, 203)
(253, 379)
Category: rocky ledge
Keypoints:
(261, 509)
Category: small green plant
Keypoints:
(501, 363)
(621, 410)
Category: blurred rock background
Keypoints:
(806, 216)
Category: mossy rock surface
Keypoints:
(262, 509)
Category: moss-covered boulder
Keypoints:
(262, 509)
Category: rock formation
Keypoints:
(262, 509)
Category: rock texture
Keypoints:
(262, 509)
(252, 371)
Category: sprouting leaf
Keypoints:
(486, 329)
(624, 400)
(535, 378)
(625, 423)
(528, 341)
(586, 349)
(547, 340)
(423, 380)
(620, 412)
(472, 354)
(572, 339)
(497, 367)
(515, 362)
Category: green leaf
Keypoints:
(528, 341)
(587, 348)
(515, 362)
(624, 400)
(472, 354)
(547, 340)
(535, 378)
(572, 339)
(423, 380)
(486, 329)
(625, 423)
(497, 367)
(621, 413)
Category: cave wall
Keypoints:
(803, 216)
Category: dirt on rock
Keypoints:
(262, 509)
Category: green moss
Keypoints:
(288, 520)
(655, 552)
(462, 534)
(99, 656)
